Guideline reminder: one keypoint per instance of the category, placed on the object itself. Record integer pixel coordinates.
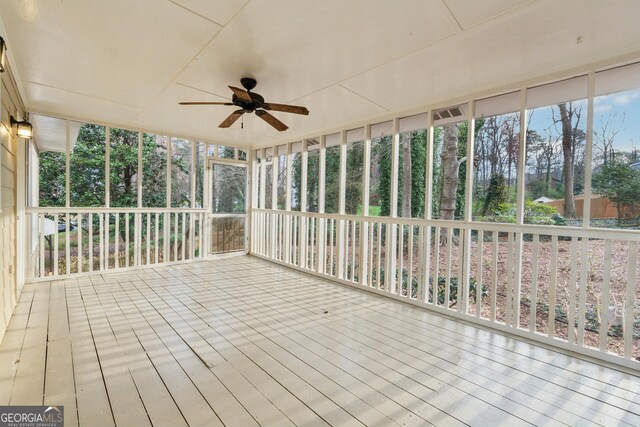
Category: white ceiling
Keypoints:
(130, 62)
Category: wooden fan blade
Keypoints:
(231, 119)
(205, 103)
(286, 108)
(241, 93)
(271, 120)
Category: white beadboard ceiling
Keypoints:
(129, 63)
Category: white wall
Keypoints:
(11, 104)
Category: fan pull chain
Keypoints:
(242, 122)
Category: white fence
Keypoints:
(573, 288)
(72, 241)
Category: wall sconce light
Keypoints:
(3, 54)
(25, 130)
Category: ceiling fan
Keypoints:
(250, 102)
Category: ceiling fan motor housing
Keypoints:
(248, 83)
(257, 101)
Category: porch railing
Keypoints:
(573, 288)
(84, 240)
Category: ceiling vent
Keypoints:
(448, 113)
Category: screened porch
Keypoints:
(438, 226)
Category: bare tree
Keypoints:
(605, 137)
(571, 138)
(450, 167)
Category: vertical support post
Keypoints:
(192, 224)
(364, 230)
(428, 202)
(303, 236)
(252, 199)
(588, 152)
(140, 170)
(288, 235)
(522, 159)
(137, 232)
(262, 202)
(67, 185)
(392, 229)
(67, 181)
(322, 222)
(194, 171)
(169, 160)
(468, 208)
(107, 168)
(263, 179)
(274, 201)
(341, 239)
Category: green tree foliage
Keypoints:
(229, 188)
(353, 184)
(87, 170)
(418, 174)
(123, 168)
(52, 179)
(313, 180)
(382, 151)
(313, 177)
(620, 183)
(496, 194)
(180, 174)
(154, 166)
(86, 180)
(332, 179)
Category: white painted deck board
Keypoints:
(244, 342)
(417, 351)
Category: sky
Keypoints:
(621, 110)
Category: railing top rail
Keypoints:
(551, 230)
(45, 210)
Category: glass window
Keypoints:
(200, 168)
(332, 174)
(123, 168)
(282, 177)
(412, 162)
(268, 190)
(180, 173)
(449, 162)
(242, 155)
(154, 170)
(380, 175)
(229, 187)
(554, 176)
(355, 171)
(616, 161)
(51, 137)
(226, 152)
(313, 173)
(296, 175)
(496, 146)
(87, 164)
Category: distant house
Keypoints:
(543, 199)
(635, 166)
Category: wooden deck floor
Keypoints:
(244, 342)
